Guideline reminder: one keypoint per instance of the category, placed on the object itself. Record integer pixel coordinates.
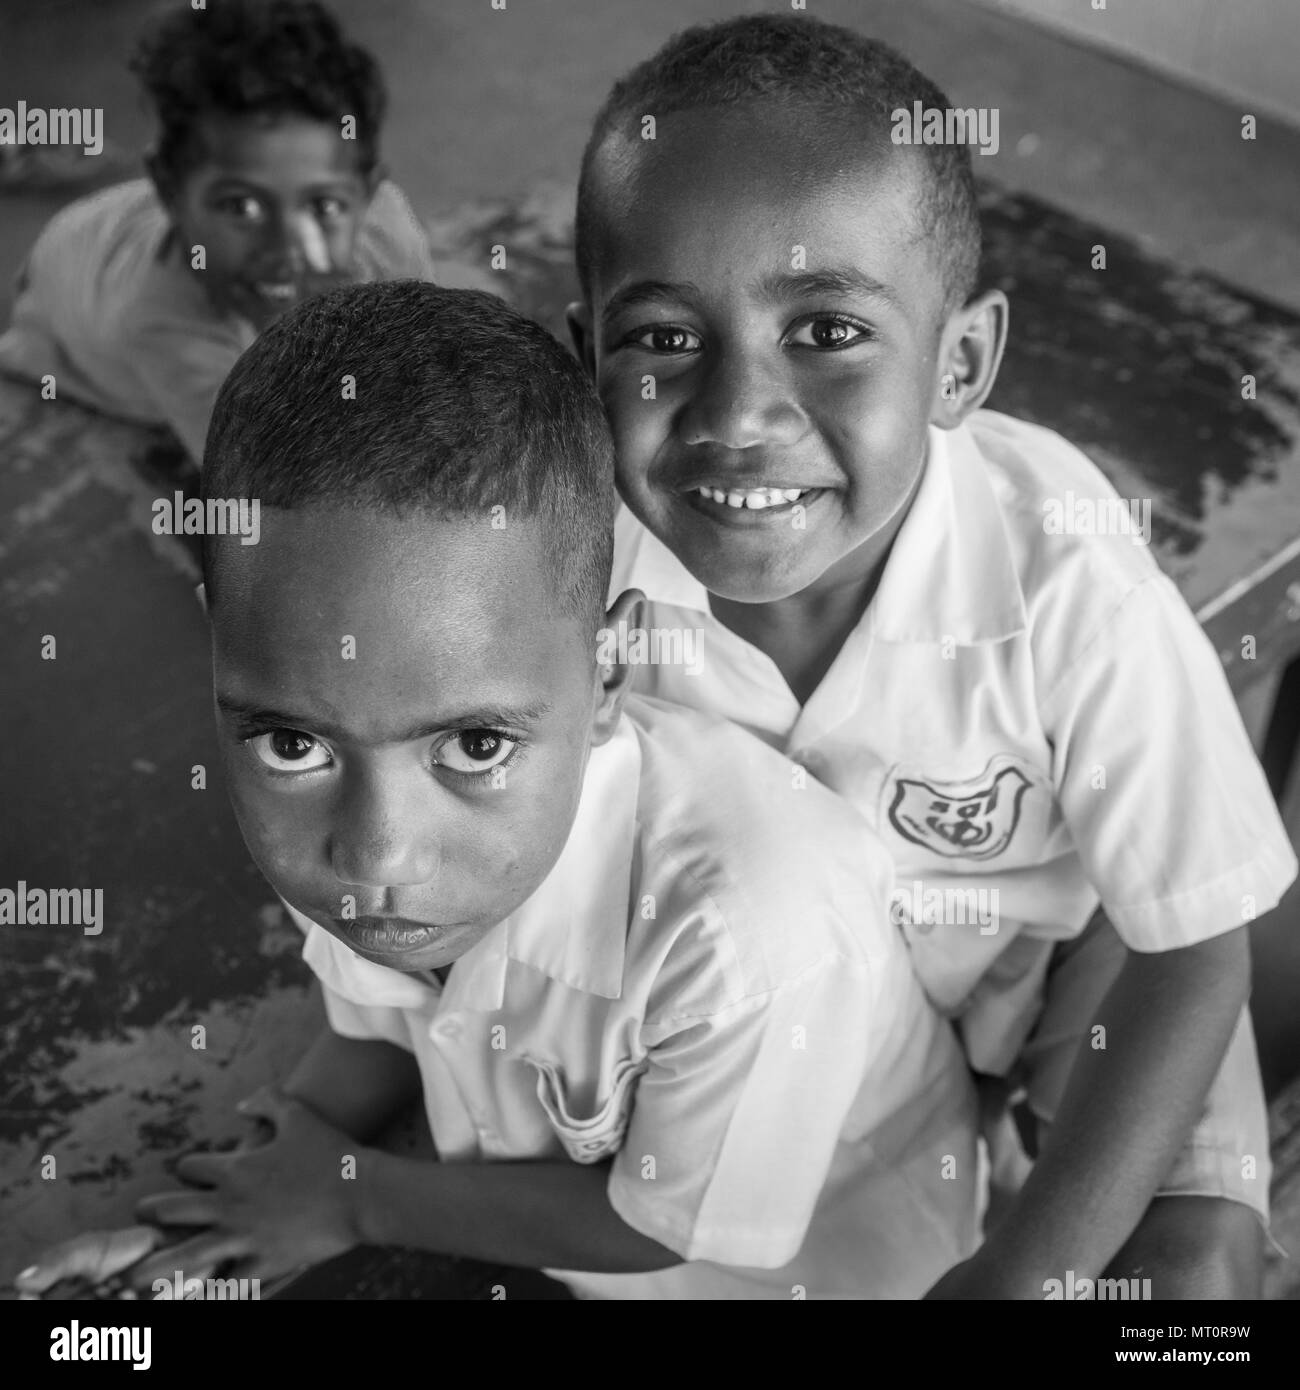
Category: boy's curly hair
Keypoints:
(256, 57)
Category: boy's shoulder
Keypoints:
(1078, 550)
(1061, 513)
(741, 852)
(105, 256)
(1060, 510)
(129, 210)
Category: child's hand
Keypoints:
(93, 1258)
(271, 1209)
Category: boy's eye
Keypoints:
(329, 208)
(244, 207)
(290, 750)
(829, 333)
(474, 750)
(666, 337)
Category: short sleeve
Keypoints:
(1167, 804)
(737, 1116)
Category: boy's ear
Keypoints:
(578, 317)
(164, 184)
(627, 612)
(377, 174)
(970, 353)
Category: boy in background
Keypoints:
(668, 1042)
(782, 318)
(265, 187)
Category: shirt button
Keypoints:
(449, 1028)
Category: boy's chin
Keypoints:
(747, 557)
(754, 573)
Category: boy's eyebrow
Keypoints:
(228, 182)
(649, 292)
(836, 280)
(778, 288)
(482, 716)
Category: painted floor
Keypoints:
(102, 1064)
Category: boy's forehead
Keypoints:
(288, 145)
(413, 588)
(778, 178)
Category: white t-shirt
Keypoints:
(1019, 709)
(109, 307)
(706, 989)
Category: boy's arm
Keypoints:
(536, 1215)
(358, 1085)
(714, 1093)
(312, 1193)
(1126, 1112)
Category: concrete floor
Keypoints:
(485, 104)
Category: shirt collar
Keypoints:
(951, 573)
(573, 928)
(643, 561)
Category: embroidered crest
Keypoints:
(958, 820)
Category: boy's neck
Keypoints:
(803, 633)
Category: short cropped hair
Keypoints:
(267, 58)
(799, 63)
(460, 406)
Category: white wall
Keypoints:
(1245, 50)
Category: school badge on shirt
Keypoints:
(972, 819)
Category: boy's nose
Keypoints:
(382, 837)
(295, 243)
(740, 403)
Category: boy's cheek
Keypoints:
(276, 840)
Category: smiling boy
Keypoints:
(265, 187)
(658, 1054)
(783, 320)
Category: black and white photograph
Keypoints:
(651, 652)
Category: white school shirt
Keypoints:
(1020, 709)
(706, 989)
(108, 306)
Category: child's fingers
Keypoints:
(179, 1209)
(199, 1257)
(93, 1256)
(268, 1103)
(204, 1170)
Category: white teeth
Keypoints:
(756, 499)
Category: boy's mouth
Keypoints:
(746, 506)
(387, 934)
(278, 292)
